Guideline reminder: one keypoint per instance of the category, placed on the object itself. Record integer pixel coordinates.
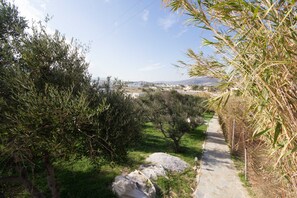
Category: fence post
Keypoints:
(233, 132)
(245, 163)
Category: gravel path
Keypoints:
(218, 177)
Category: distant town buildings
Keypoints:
(136, 89)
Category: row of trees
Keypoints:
(51, 109)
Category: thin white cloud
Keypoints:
(167, 22)
(152, 67)
(145, 15)
(31, 9)
(43, 5)
(181, 33)
(107, 1)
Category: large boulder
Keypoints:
(169, 162)
(152, 171)
(134, 185)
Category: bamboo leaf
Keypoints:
(294, 149)
(256, 12)
(277, 132)
(261, 133)
(208, 42)
(226, 100)
(204, 27)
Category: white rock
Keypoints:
(153, 171)
(134, 185)
(169, 162)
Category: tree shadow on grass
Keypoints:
(154, 141)
(190, 153)
(197, 134)
(91, 184)
(74, 181)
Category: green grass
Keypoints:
(182, 185)
(176, 185)
(91, 182)
(239, 165)
(81, 178)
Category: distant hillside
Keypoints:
(204, 81)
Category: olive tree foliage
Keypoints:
(120, 123)
(50, 59)
(257, 41)
(172, 113)
(42, 120)
(51, 109)
(46, 127)
(11, 30)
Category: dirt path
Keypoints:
(218, 178)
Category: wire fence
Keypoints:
(257, 165)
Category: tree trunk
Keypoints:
(51, 180)
(176, 145)
(33, 190)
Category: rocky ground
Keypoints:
(139, 183)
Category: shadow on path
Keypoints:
(218, 176)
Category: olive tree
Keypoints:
(12, 28)
(46, 128)
(173, 114)
(51, 110)
(45, 110)
(120, 123)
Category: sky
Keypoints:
(131, 40)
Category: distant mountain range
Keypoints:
(202, 81)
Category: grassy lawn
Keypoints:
(176, 185)
(80, 178)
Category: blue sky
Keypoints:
(129, 39)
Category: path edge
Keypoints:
(198, 170)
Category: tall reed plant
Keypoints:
(256, 52)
